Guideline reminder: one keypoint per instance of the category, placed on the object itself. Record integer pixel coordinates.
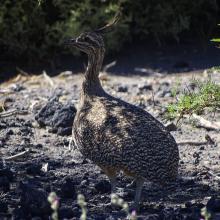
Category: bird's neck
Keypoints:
(91, 85)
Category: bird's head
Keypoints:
(88, 42)
(91, 42)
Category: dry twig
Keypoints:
(48, 79)
(17, 156)
(202, 122)
(13, 112)
(209, 140)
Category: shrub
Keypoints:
(34, 30)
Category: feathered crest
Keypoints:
(109, 27)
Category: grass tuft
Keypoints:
(195, 100)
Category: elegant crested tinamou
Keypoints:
(115, 135)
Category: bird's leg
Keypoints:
(113, 183)
(112, 174)
(139, 186)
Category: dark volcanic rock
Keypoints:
(68, 189)
(45, 115)
(6, 176)
(122, 88)
(34, 169)
(17, 87)
(57, 116)
(171, 127)
(7, 173)
(103, 186)
(3, 207)
(64, 117)
(4, 184)
(144, 88)
(33, 200)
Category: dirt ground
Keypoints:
(40, 127)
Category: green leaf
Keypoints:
(216, 40)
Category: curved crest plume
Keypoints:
(109, 27)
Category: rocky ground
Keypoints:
(39, 127)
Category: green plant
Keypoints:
(205, 95)
(54, 202)
(124, 205)
(175, 89)
(35, 30)
(216, 40)
(206, 214)
(82, 203)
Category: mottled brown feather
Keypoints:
(117, 135)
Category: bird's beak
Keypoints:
(70, 41)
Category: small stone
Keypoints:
(33, 199)
(4, 184)
(205, 188)
(64, 131)
(145, 88)
(103, 186)
(68, 189)
(196, 155)
(188, 182)
(171, 126)
(46, 113)
(3, 207)
(3, 126)
(7, 173)
(122, 89)
(202, 148)
(10, 132)
(34, 169)
(38, 145)
(188, 204)
(17, 87)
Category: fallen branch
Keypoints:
(17, 156)
(13, 112)
(202, 122)
(48, 79)
(209, 140)
(5, 91)
(106, 67)
(22, 72)
(195, 143)
(103, 76)
(211, 173)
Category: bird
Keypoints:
(114, 134)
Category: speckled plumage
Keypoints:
(113, 133)
(117, 135)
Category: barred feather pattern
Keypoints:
(115, 134)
